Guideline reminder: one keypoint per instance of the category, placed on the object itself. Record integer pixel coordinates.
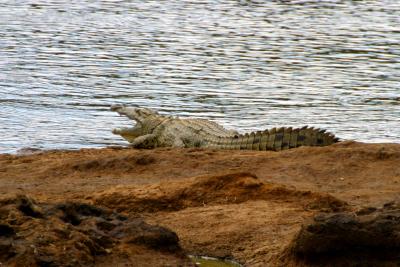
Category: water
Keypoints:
(204, 261)
(248, 65)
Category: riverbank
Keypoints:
(127, 206)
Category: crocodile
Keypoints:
(155, 130)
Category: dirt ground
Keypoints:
(130, 207)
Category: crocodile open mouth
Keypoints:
(128, 133)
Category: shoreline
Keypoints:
(250, 206)
(24, 150)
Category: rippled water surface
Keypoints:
(245, 64)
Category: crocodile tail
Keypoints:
(275, 139)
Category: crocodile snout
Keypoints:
(116, 107)
(116, 131)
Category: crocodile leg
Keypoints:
(145, 141)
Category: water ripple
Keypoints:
(246, 64)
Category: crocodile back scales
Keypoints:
(274, 139)
(205, 128)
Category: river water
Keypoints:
(248, 65)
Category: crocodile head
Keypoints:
(137, 114)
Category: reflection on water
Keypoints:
(249, 65)
(204, 261)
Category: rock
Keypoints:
(152, 236)
(6, 249)
(28, 207)
(6, 230)
(347, 238)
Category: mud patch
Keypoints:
(76, 234)
(231, 188)
(124, 163)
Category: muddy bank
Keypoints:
(79, 234)
(245, 205)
